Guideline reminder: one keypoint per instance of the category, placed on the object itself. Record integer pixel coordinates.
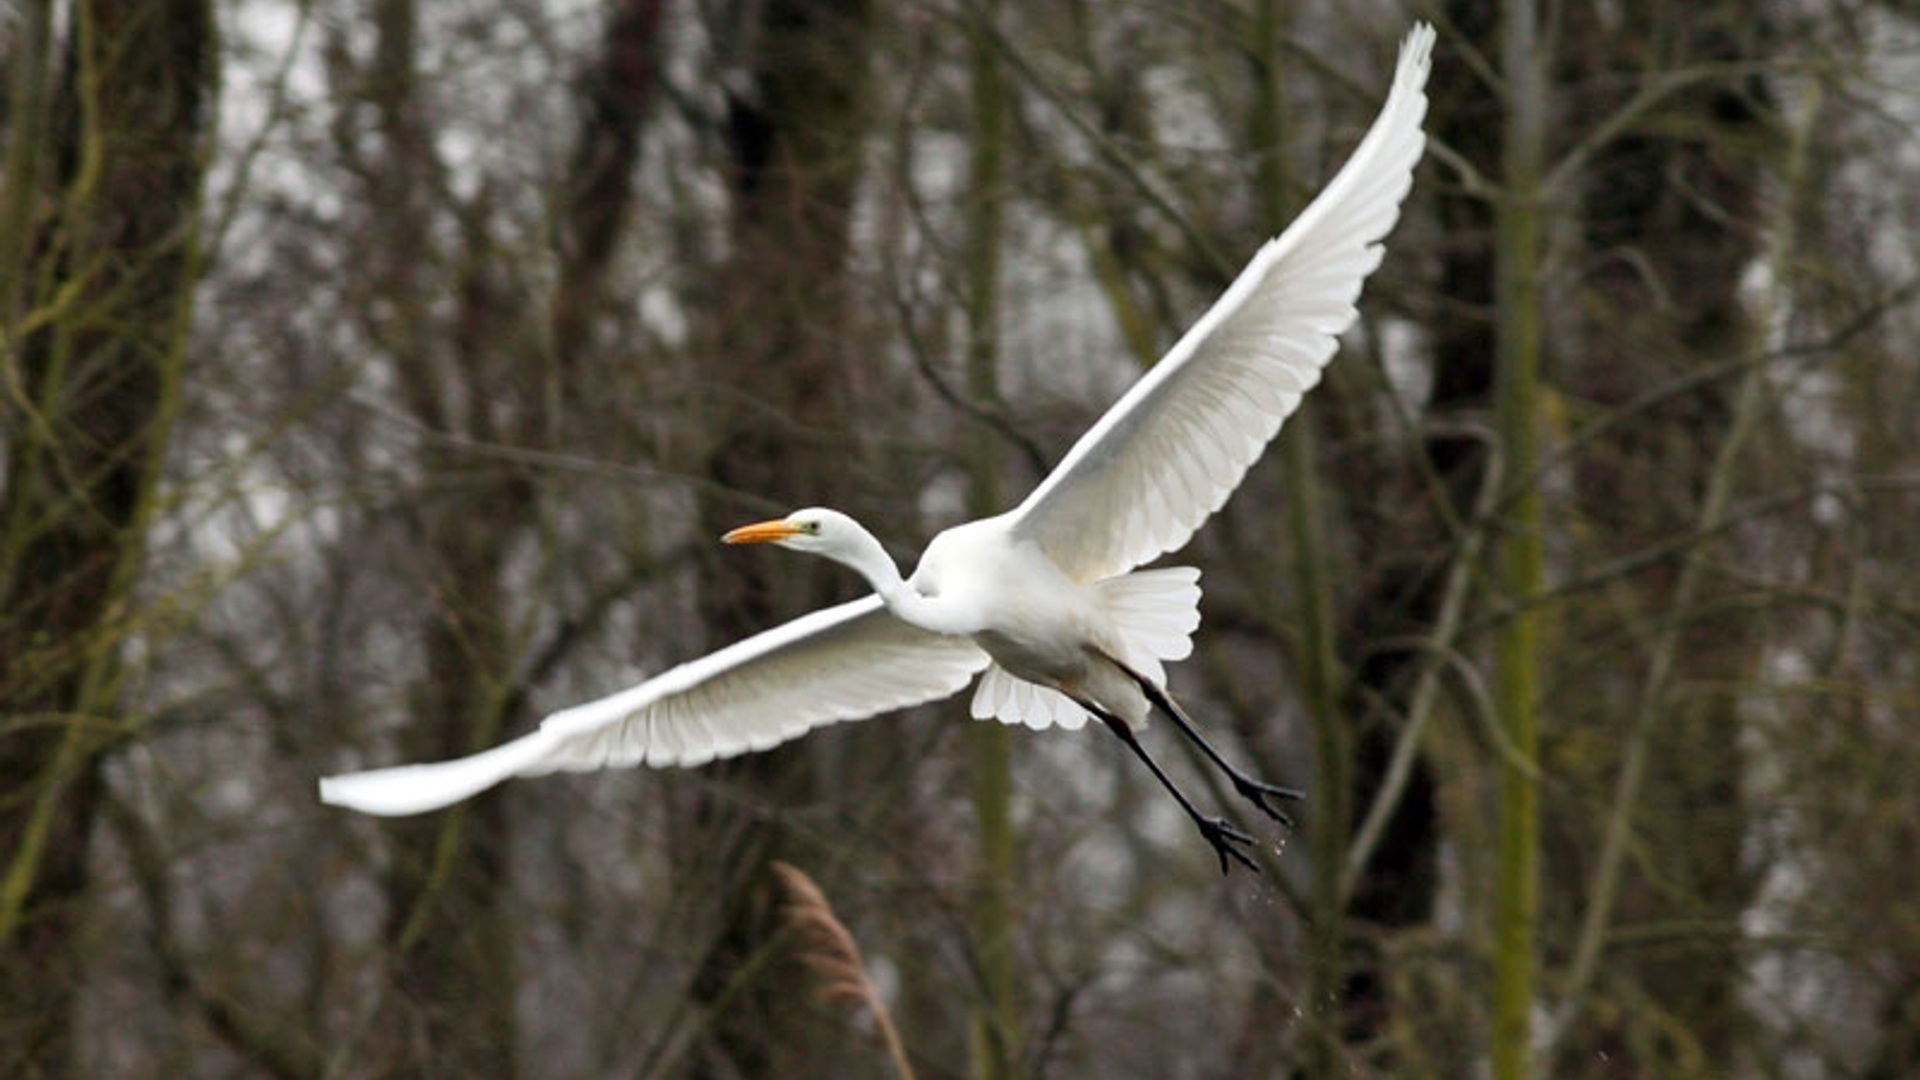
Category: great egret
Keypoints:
(1044, 599)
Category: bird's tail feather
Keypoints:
(1154, 613)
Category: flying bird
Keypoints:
(1044, 604)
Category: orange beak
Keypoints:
(760, 533)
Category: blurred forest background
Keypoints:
(378, 375)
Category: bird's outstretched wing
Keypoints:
(1169, 452)
(840, 663)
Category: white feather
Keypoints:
(1042, 591)
(842, 663)
(1182, 437)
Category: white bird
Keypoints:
(1044, 599)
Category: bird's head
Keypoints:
(815, 529)
(828, 533)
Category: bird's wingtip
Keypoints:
(1416, 49)
(338, 791)
(379, 792)
(330, 792)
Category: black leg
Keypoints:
(1252, 789)
(1217, 831)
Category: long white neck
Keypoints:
(864, 554)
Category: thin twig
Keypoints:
(1750, 401)
(1126, 164)
(1438, 645)
(288, 1054)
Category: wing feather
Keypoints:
(841, 663)
(1169, 452)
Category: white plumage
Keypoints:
(1045, 598)
(839, 663)
(1170, 451)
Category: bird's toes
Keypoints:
(1249, 785)
(1223, 835)
(1259, 793)
(1227, 829)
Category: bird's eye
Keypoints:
(812, 527)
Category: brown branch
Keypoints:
(283, 1053)
(615, 96)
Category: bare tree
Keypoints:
(499, 317)
(107, 120)
(780, 372)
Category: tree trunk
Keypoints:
(1405, 588)
(108, 274)
(1516, 903)
(781, 374)
(1329, 811)
(449, 928)
(478, 376)
(1688, 208)
(995, 1034)
(615, 97)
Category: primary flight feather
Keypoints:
(1045, 599)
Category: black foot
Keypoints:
(1258, 792)
(1223, 835)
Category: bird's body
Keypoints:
(1045, 603)
(1036, 622)
(987, 583)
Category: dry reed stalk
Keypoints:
(828, 949)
